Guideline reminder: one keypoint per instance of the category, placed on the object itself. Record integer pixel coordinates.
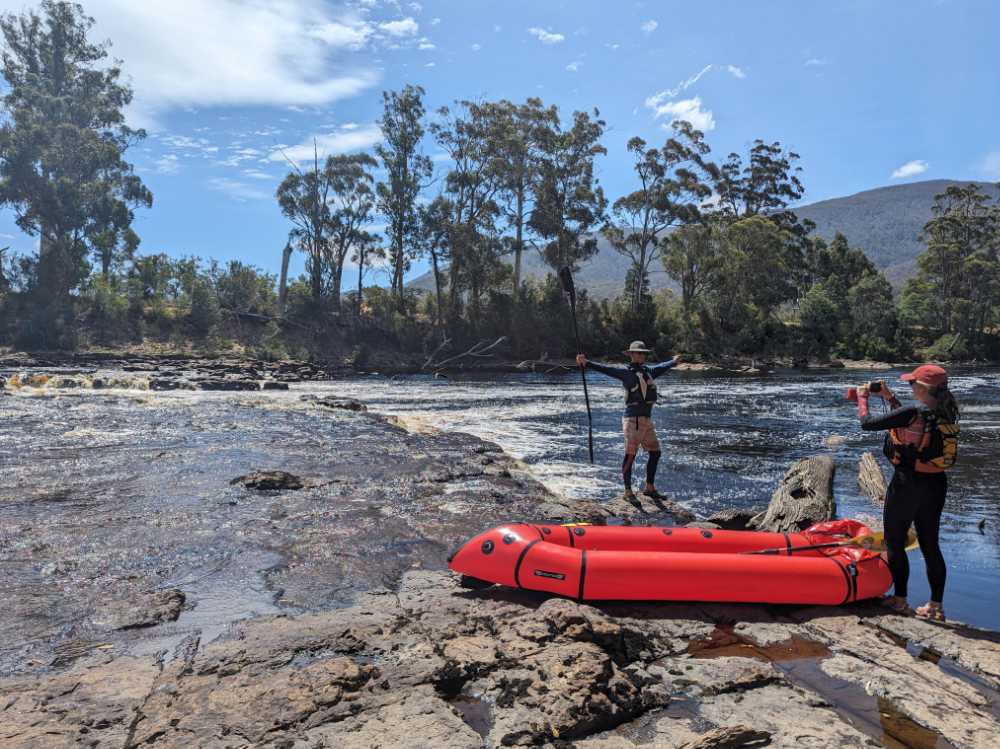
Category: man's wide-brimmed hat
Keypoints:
(638, 347)
(928, 374)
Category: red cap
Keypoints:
(928, 374)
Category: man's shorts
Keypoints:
(639, 432)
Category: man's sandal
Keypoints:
(932, 611)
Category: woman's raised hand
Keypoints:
(581, 360)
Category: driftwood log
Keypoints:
(804, 497)
(871, 479)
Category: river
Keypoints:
(102, 487)
(727, 441)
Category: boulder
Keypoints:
(274, 385)
(734, 518)
(804, 497)
(269, 481)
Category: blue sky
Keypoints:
(869, 93)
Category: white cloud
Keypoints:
(497, 28)
(431, 65)
(815, 62)
(257, 174)
(168, 164)
(574, 66)
(546, 37)
(403, 27)
(649, 27)
(427, 46)
(435, 21)
(613, 46)
(736, 71)
(990, 165)
(189, 53)
(910, 169)
(684, 109)
(342, 141)
(237, 190)
(476, 47)
(416, 7)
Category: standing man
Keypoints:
(640, 395)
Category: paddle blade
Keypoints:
(566, 279)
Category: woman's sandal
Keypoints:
(932, 611)
(897, 604)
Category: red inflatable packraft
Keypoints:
(594, 563)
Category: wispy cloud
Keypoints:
(683, 109)
(813, 62)
(990, 165)
(574, 66)
(168, 164)
(189, 53)
(545, 36)
(910, 169)
(476, 47)
(342, 141)
(403, 27)
(736, 71)
(237, 190)
(649, 27)
(427, 46)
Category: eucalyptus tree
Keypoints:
(521, 131)
(435, 219)
(62, 143)
(671, 190)
(763, 186)
(304, 199)
(352, 199)
(569, 201)
(407, 170)
(468, 133)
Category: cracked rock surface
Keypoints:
(435, 665)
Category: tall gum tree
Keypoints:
(407, 172)
(672, 187)
(62, 143)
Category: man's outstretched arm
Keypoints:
(617, 372)
(657, 369)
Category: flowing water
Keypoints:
(152, 469)
(726, 441)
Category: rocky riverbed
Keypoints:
(267, 569)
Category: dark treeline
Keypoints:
(520, 178)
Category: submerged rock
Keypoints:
(146, 610)
(269, 481)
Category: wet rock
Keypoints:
(274, 385)
(734, 518)
(804, 497)
(269, 481)
(704, 524)
(342, 404)
(146, 610)
(228, 385)
(733, 737)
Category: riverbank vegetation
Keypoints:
(750, 278)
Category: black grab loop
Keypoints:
(706, 534)
(487, 547)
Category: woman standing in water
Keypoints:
(921, 444)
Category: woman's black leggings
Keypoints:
(916, 498)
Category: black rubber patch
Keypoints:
(487, 547)
(579, 531)
(583, 572)
(520, 559)
(546, 531)
(550, 575)
(508, 538)
(706, 534)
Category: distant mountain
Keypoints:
(886, 223)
